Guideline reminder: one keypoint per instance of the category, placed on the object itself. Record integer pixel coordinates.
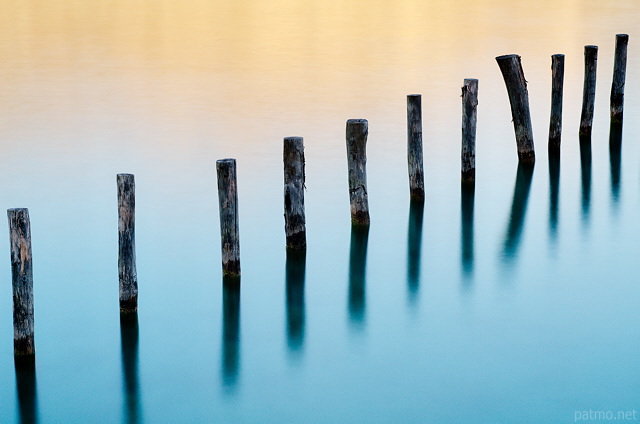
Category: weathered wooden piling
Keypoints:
(294, 219)
(589, 91)
(414, 146)
(619, 73)
(557, 83)
(127, 243)
(513, 74)
(357, 131)
(469, 120)
(22, 282)
(228, 203)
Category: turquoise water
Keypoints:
(517, 302)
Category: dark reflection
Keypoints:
(585, 164)
(357, 270)
(230, 332)
(521, 191)
(615, 155)
(414, 247)
(129, 345)
(27, 390)
(554, 191)
(467, 200)
(295, 275)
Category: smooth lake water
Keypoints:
(518, 303)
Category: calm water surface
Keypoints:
(517, 302)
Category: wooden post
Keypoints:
(228, 202)
(619, 73)
(294, 219)
(414, 146)
(589, 91)
(511, 68)
(127, 243)
(357, 131)
(557, 83)
(22, 281)
(469, 119)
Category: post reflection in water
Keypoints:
(521, 191)
(414, 248)
(130, 379)
(467, 200)
(295, 276)
(585, 166)
(554, 191)
(26, 389)
(357, 271)
(230, 333)
(615, 156)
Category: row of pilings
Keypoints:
(294, 181)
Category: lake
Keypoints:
(517, 303)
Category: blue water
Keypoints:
(517, 302)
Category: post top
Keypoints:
(226, 161)
(557, 55)
(17, 210)
(590, 46)
(123, 175)
(414, 95)
(470, 80)
(293, 139)
(622, 35)
(507, 57)
(357, 121)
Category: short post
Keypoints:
(414, 146)
(469, 120)
(357, 131)
(228, 203)
(589, 91)
(557, 83)
(22, 282)
(294, 219)
(127, 243)
(619, 73)
(513, 74)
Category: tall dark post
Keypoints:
(294, 220)
(22, 281)
(357, 132)
(588, 92)
(228, 203)
(513, 74)
(619, 73)
(469, 119)
(557, 83)
(127, 243)
(414, 146)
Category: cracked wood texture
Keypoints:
(469, 121)
(619, 74)
(513, 74)
(294, 219)
(414, 146)
(22, 281)
(228, 204)
(589, 91)
(127, 243)
(557, 83)
(357, 132)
